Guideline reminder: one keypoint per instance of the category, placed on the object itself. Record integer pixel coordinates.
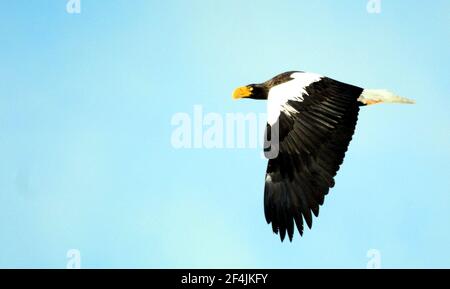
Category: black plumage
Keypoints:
(312, 146)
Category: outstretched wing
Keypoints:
(314, 131)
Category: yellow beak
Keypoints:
(243, 91)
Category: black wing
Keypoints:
(313, 139)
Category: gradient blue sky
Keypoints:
(86, 160)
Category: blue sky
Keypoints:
(86, 102)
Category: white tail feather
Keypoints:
(372, 96)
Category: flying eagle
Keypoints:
(310, 123)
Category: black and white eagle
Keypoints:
(310, 123)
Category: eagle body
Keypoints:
(310, 123)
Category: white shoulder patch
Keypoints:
(289, 90)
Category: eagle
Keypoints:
(310, 123)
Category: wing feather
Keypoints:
(314, 135)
